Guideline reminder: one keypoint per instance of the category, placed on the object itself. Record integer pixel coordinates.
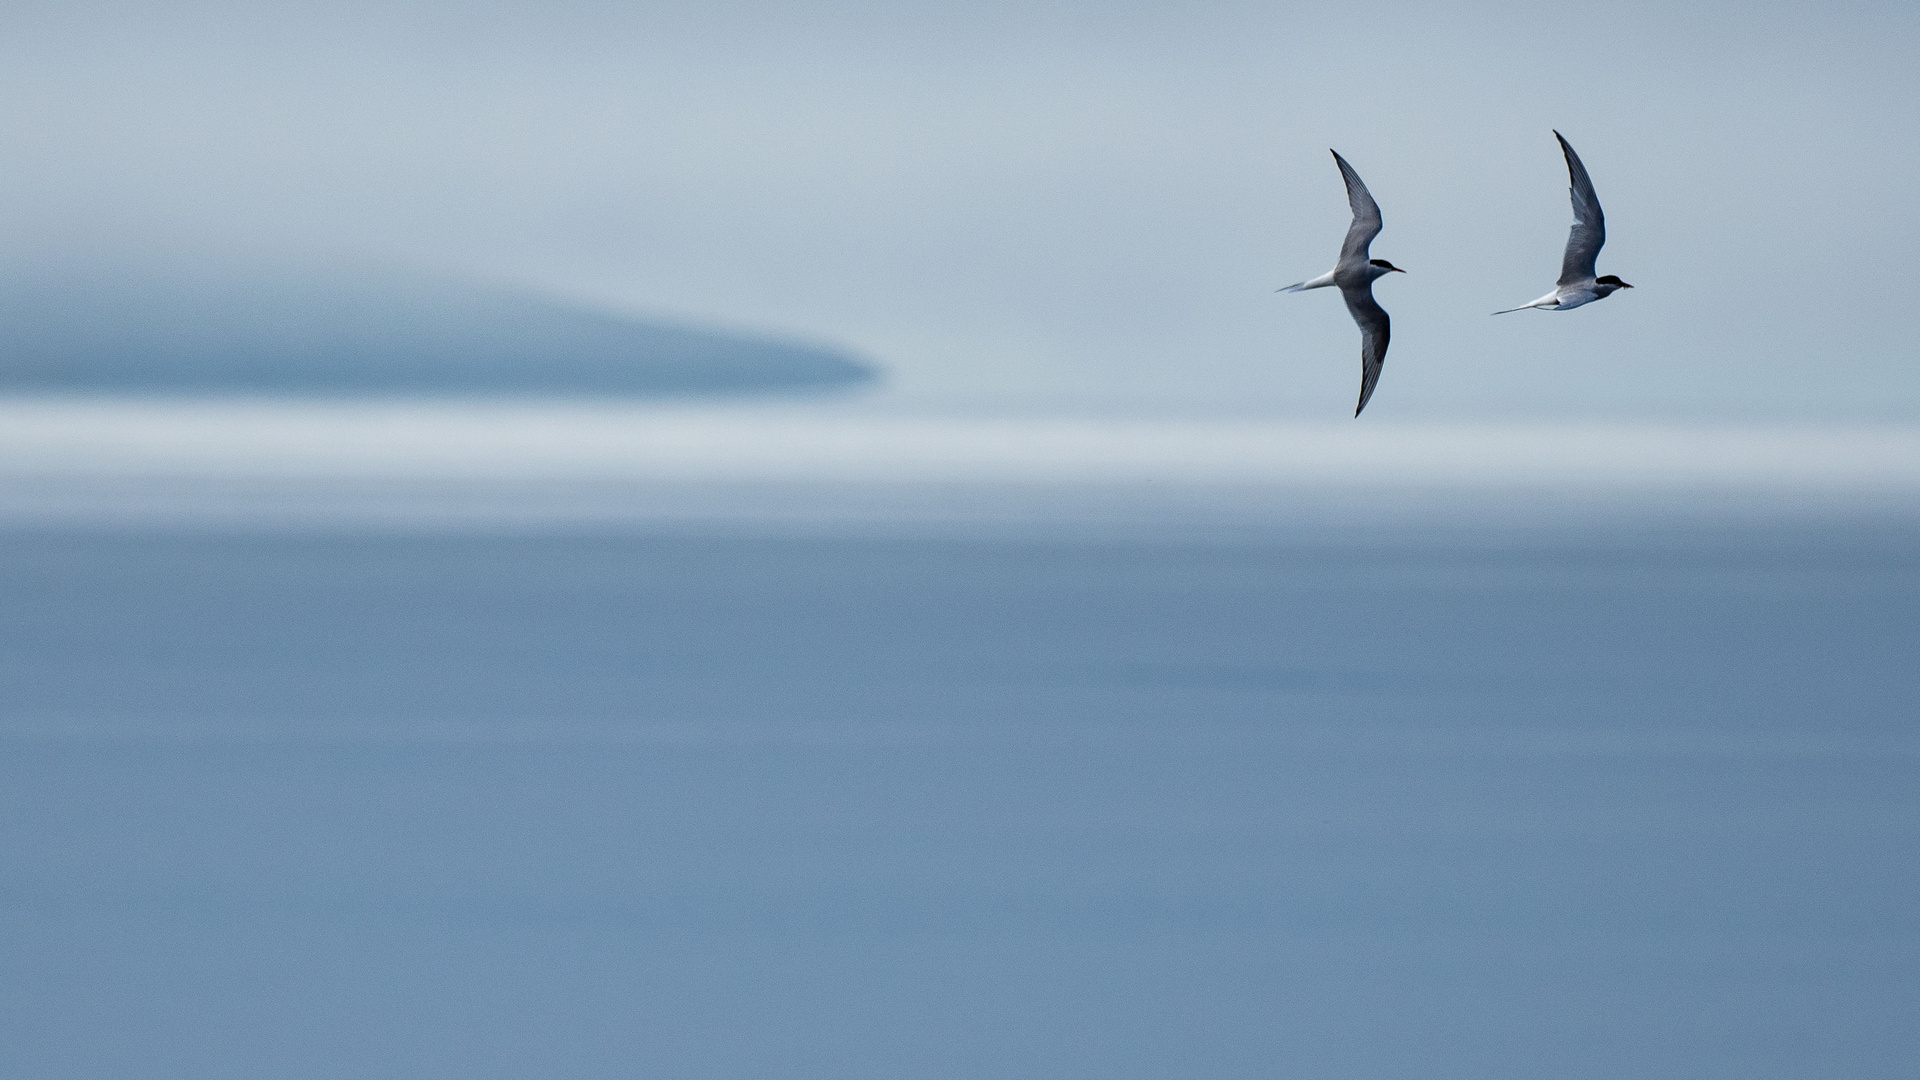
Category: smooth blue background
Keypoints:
(1422, 801)
(1626, 802)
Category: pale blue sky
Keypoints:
(1053, 206)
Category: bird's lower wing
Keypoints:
(1375, 331)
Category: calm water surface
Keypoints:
(759, 806)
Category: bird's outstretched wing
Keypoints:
(1366, 216)
(1589, 225)
(1375, 330)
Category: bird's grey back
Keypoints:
(1589, 225)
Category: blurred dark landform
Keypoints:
(191, 329)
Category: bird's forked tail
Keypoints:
(1545, 303)
(1320, 282)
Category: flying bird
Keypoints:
(1577, 285)
(1355, 274)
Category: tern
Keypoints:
(1355, 274)
(1577, 285)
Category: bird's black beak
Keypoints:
(1397, 270)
